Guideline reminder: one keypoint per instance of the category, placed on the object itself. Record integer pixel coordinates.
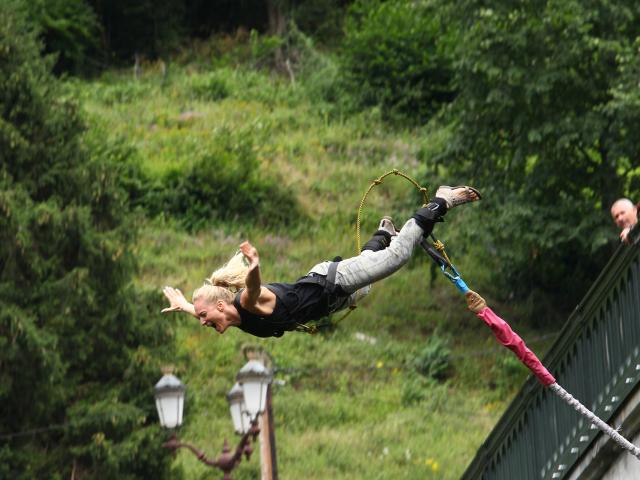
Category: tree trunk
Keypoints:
(277, 27)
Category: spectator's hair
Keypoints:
(624, 200)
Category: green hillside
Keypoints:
(142, 141)
(349, 403)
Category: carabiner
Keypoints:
(443, 263)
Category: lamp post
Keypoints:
(247, 400)
(256, 381)
(254, 378)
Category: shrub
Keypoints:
(124, 92)
(428, 392)
(264, 49)
(397, 55)
(319, 72)
(321, 19)
(414, 390)
(434, 360)
(509, 374)
(210, 87)
(225, 183)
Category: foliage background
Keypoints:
(141, 142)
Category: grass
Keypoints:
(344, 407)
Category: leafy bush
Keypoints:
(434, 360)
(264, 49)
(320, 73)
(509, 374)
(225, 183)
(210, 87)
(124, 92)
(397, 55)
(555, 243)
(415, 390)
(430, 393)
(321, 19)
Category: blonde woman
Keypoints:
(234, 296)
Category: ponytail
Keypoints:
(231, 275)
(224, 281)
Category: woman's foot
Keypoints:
(386, 225)
(383, 236)
(455, 196)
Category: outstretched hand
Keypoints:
(178, 303)
(251, 254)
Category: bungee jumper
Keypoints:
(234, 295)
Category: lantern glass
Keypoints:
(255, 393)
(169, 392)
(254, 378)
(239, 415)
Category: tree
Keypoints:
(542, 122)
(397, 55)
(77, 352)
(69, 29)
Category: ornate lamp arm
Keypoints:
(227, 461)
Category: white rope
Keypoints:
(619, 439)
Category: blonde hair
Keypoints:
(232, 274)
(211, 294)
(224, 281)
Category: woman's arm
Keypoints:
(177, 302)
(251, 293)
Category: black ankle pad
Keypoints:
(441, 203)
(426, 216)
(379, 241)
(384, 233)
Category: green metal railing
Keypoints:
(596, 358)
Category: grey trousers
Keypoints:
(356, 274)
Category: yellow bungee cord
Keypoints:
(377, 182)
(438, 244)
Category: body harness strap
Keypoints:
(331, 276)
(328, 282)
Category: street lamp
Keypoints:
(239, 415)
(170, 400)
(247, 400)
(254, 378)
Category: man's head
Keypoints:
(624, 213)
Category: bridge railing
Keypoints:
(596, 358)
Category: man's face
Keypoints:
(624, 214)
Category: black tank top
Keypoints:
(298, 302)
